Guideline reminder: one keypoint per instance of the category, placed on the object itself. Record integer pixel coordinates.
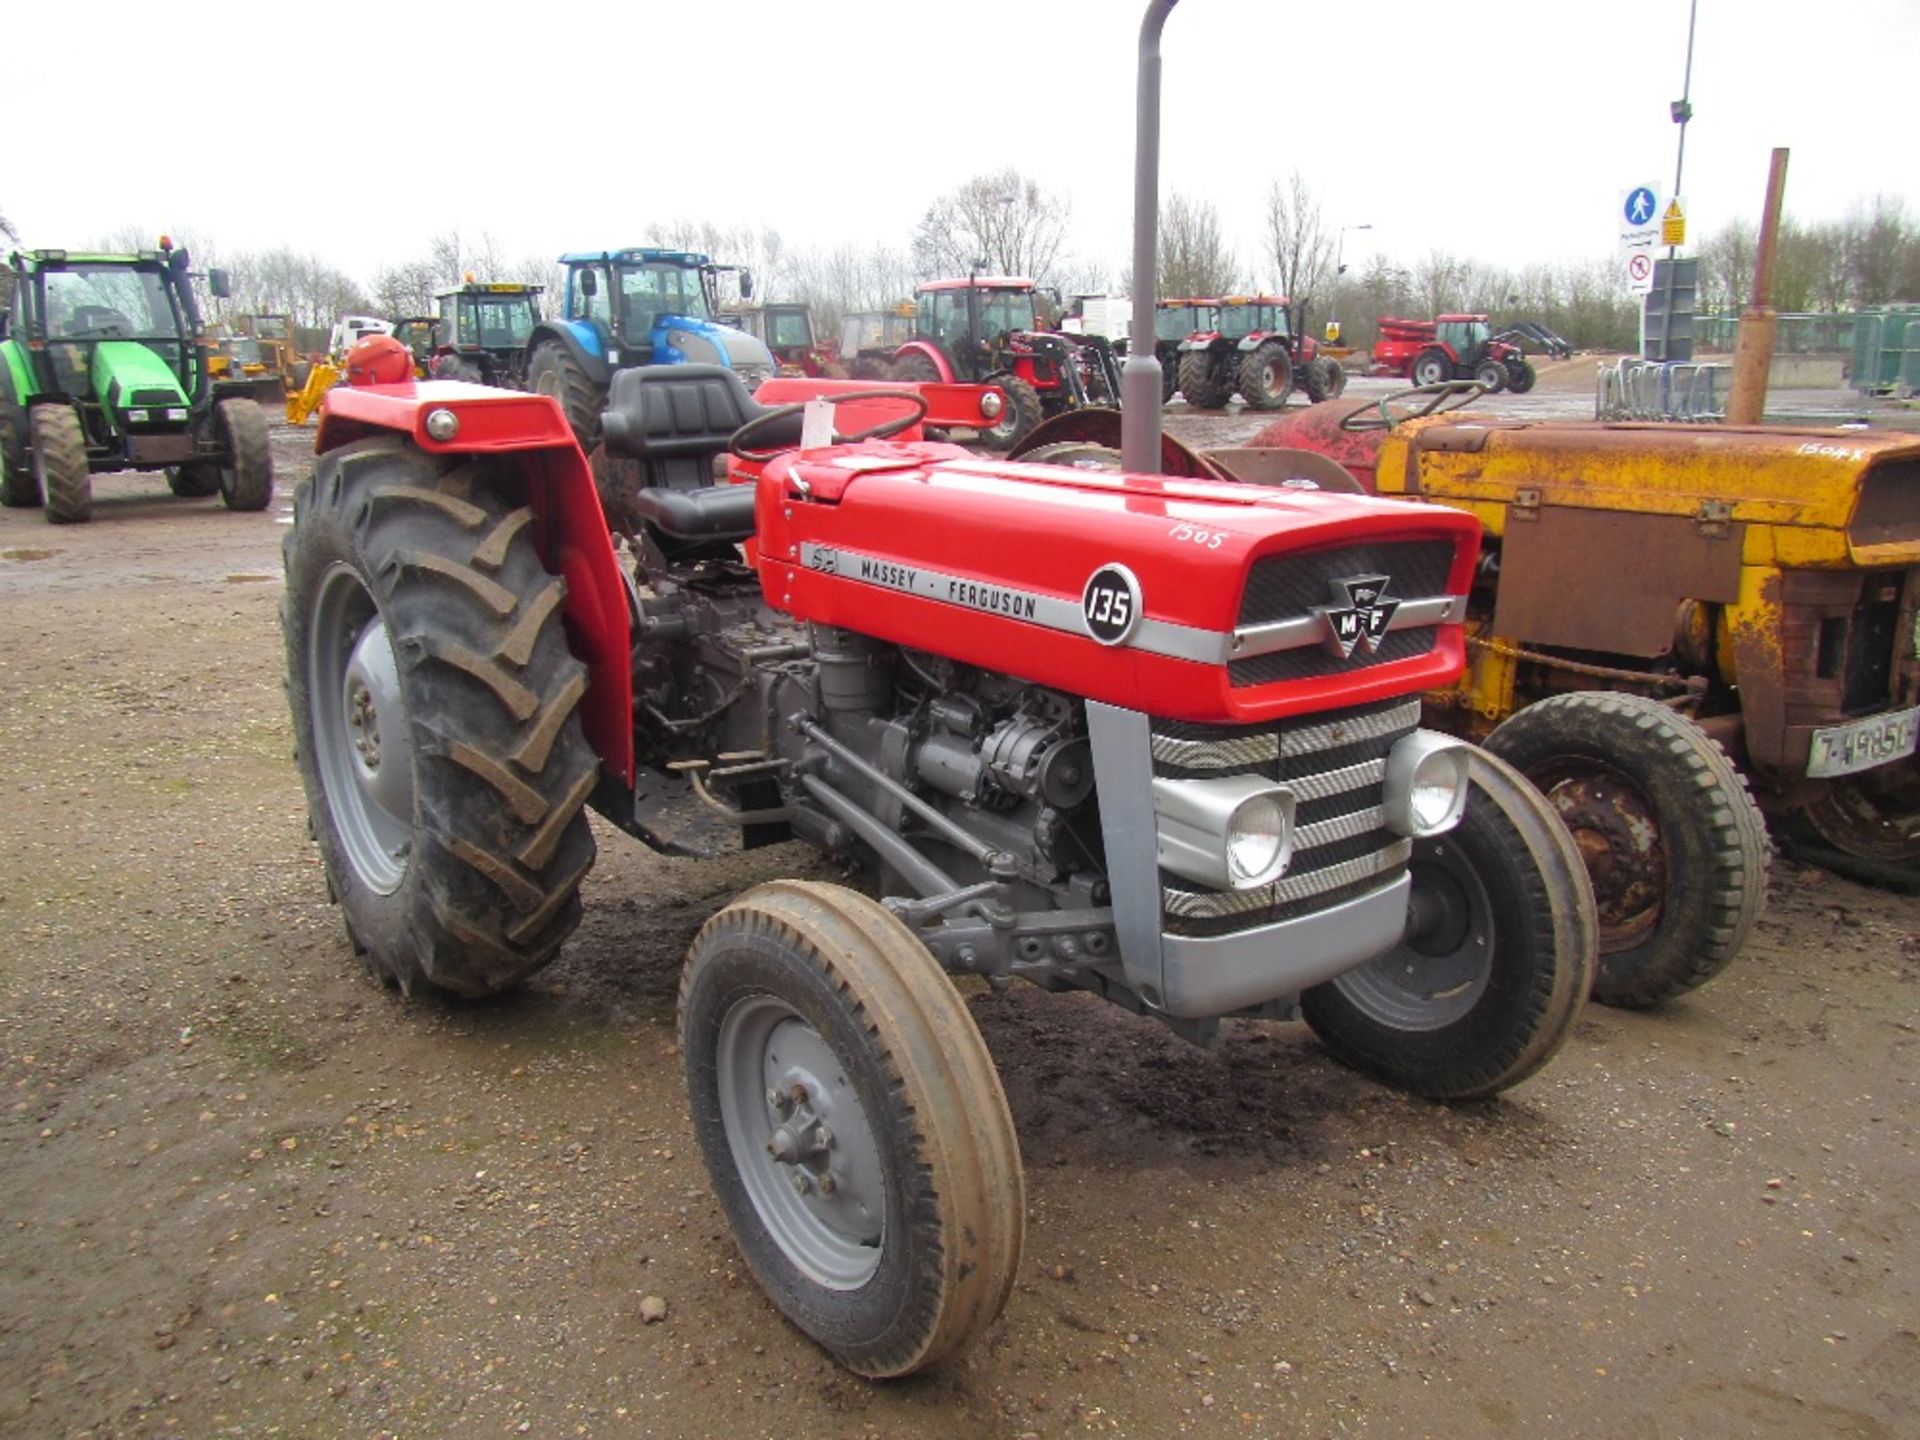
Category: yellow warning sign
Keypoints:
(1673, 223)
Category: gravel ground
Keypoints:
(249, 1192)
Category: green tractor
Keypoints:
(101, 368)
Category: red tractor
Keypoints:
(982, 328)
(1454, 347)
(786, 328)
(1251, 347)
(1151, 738)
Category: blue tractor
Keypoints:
(625, 308)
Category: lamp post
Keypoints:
(1340, 265)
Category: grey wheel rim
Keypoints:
(801, 1143)
(363, 746)
(1432, 982)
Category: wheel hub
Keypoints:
(1437, 974)
(806, 1152)
(1619, 841)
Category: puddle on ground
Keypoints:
(27, 554)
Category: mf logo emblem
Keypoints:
(1360, 614)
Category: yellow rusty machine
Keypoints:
(1657, 605)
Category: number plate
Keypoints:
(1845, 749)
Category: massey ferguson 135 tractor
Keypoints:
(982, 329)
(101, 368)
(625, 308)
(1454, 347)
(1156, 739)
(1248, 345)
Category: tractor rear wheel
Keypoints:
(1204, 385)
(552, 370)
(1520, 376)
(1867, 826)
(1485, 989)
(1022, 413)
(246, 472)
(60, 471)
(453, 367)
(1266, 376)
(852, 1125)
(1169, 381)
(19, 486)
(435, 717)
(1669, 833)
(1492, 375)
(914, 368)
(195, 480)
(1431, 367)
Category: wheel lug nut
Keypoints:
(801, 1185)
(776, 1100)
(828, 1185)
(798, 1094)
(823, 1137)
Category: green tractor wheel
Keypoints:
(194, 481)
(246, 474)
(18, 486)
(60, 471)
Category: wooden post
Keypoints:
(1753, 350)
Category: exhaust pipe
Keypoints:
(1140, 377)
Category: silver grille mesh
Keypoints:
(1212, 904)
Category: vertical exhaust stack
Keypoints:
(1753, 349)
(1140, 395)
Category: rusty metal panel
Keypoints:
(1609, 580)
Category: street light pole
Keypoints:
(1682, 111)
(1340, 264)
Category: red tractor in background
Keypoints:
(786, 328)
(1251, 347)
(1454, 347)
(982, 328)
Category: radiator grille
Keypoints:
(1293, 585)
(1335, 765)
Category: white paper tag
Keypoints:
(816, 425)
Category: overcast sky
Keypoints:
(1501, 131)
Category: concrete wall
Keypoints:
(1807, 372)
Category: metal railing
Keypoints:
(1634, 389)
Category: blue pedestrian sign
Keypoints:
(1640, 206)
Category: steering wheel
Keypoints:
(1415, 404)
(100, 319)
(738, 445)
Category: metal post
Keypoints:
(1683, 111)
(1753, 350)
(1140, 397)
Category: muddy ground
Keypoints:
(246, 1191)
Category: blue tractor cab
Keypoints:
(642, 306)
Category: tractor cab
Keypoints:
(638, 306)
(1240, 317)
(869, 338)
(482, 331)
(786, 328)
(416, 332)
(984, 329)
(1466, 335)
(1175, 320)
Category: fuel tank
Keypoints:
(1196, 600)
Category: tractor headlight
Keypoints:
(991, 405)
(1231, 833)
(136, 417)
(176, 414)
(1426, 784)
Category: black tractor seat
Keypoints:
(676, 421)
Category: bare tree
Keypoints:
(1004, 220)
(1194, 259)
(405, 289)
(1726, 267)
(7, 228)
(1876, 247)
(1297, 240)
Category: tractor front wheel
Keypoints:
(246, 472)
(435, 717)
(1520, 376)
(60, 471)
(1431, 367)
(552, 370)
(195, 480)
(1496, 964)
(852, 1125)
(1491, 375)
(1669, 833)
(1021, 414)
(1336, 378)
(1266, 376)
(1203, 385)
(19, 486)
